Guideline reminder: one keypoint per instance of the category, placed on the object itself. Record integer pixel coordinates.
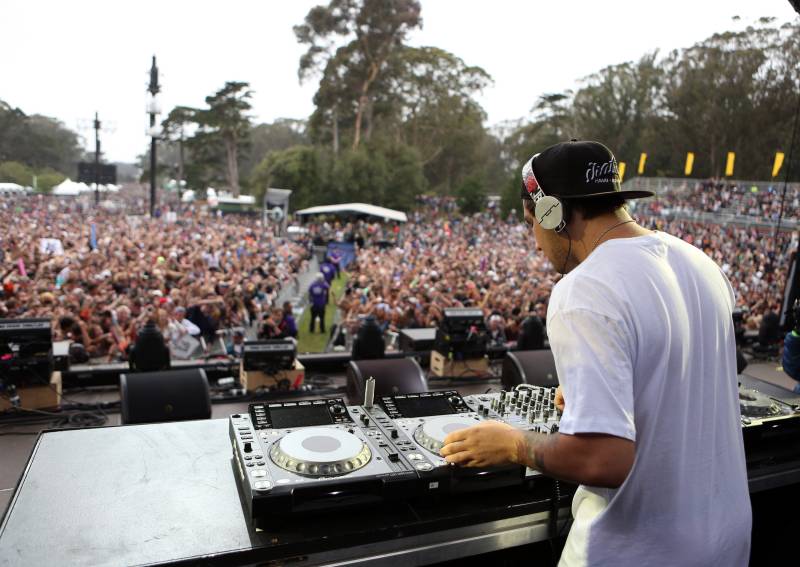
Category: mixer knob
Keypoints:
(485, 412)
(393, 433)
(248, 447)
(480, 407)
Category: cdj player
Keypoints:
(418, 424)
(314, 455)
(770, 428)
(317, 455)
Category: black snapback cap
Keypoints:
(577, 170)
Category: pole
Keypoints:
(96, 159)
(153, 89)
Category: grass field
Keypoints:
(308, 342)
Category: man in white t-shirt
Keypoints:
(642, 334)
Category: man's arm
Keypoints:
(590, 459)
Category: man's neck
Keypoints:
(618, 224)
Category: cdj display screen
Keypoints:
(299, 416)
(421, 407)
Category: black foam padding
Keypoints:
(534, 367)
(169, 395)
(392, 376)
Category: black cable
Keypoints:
(569, 252)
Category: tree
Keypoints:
(37, 141)
(15, 172)
(267, 138)
(299, 168)
(174, 131)
(617, 105)
(47, 180)
(372, 30)
(471, 196)
(225, 123)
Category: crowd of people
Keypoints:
(100, 275)
(720, 196)
(442, 260)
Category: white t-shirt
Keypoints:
(642, 336)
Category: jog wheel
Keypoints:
(320, 451)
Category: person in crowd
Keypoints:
(318, 294)
(288, 326)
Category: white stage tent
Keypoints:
(355, 209)
(69, 188)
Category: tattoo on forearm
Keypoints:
(536, 445)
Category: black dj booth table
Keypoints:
(165, 494)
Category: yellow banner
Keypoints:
(729, 165)
(687, 170)
(776, 167)
(621, 168)
(642, 160)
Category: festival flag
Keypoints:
(729, 164)
(21, 266)
(93, 237)
(621, 168)
(776, 166)
(687, 170)
(642, 160)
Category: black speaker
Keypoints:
(170, 395)
(392, 376)
(534, 367)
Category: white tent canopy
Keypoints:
(69, 188)
(11, 188)
(355, 209)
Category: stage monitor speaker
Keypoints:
(534, 367)
(170, 395)
(392, 376)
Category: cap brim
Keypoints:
(623, 194)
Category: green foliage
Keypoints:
(37, 141)
(15, 172)
(510, 197)
(735, 91)
(368, 33)
(267, 138)
(471, 196)
(299, 168)
(390, 176)
(47, 180)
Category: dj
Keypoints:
(642, 334)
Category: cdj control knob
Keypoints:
(365, 419)
(393, 433)
(338, 409)
(455, 401)
(248, 447)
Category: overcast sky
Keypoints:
(70, 59)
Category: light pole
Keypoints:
(153, 110)
(96, 159)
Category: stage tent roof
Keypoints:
(355, 209)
